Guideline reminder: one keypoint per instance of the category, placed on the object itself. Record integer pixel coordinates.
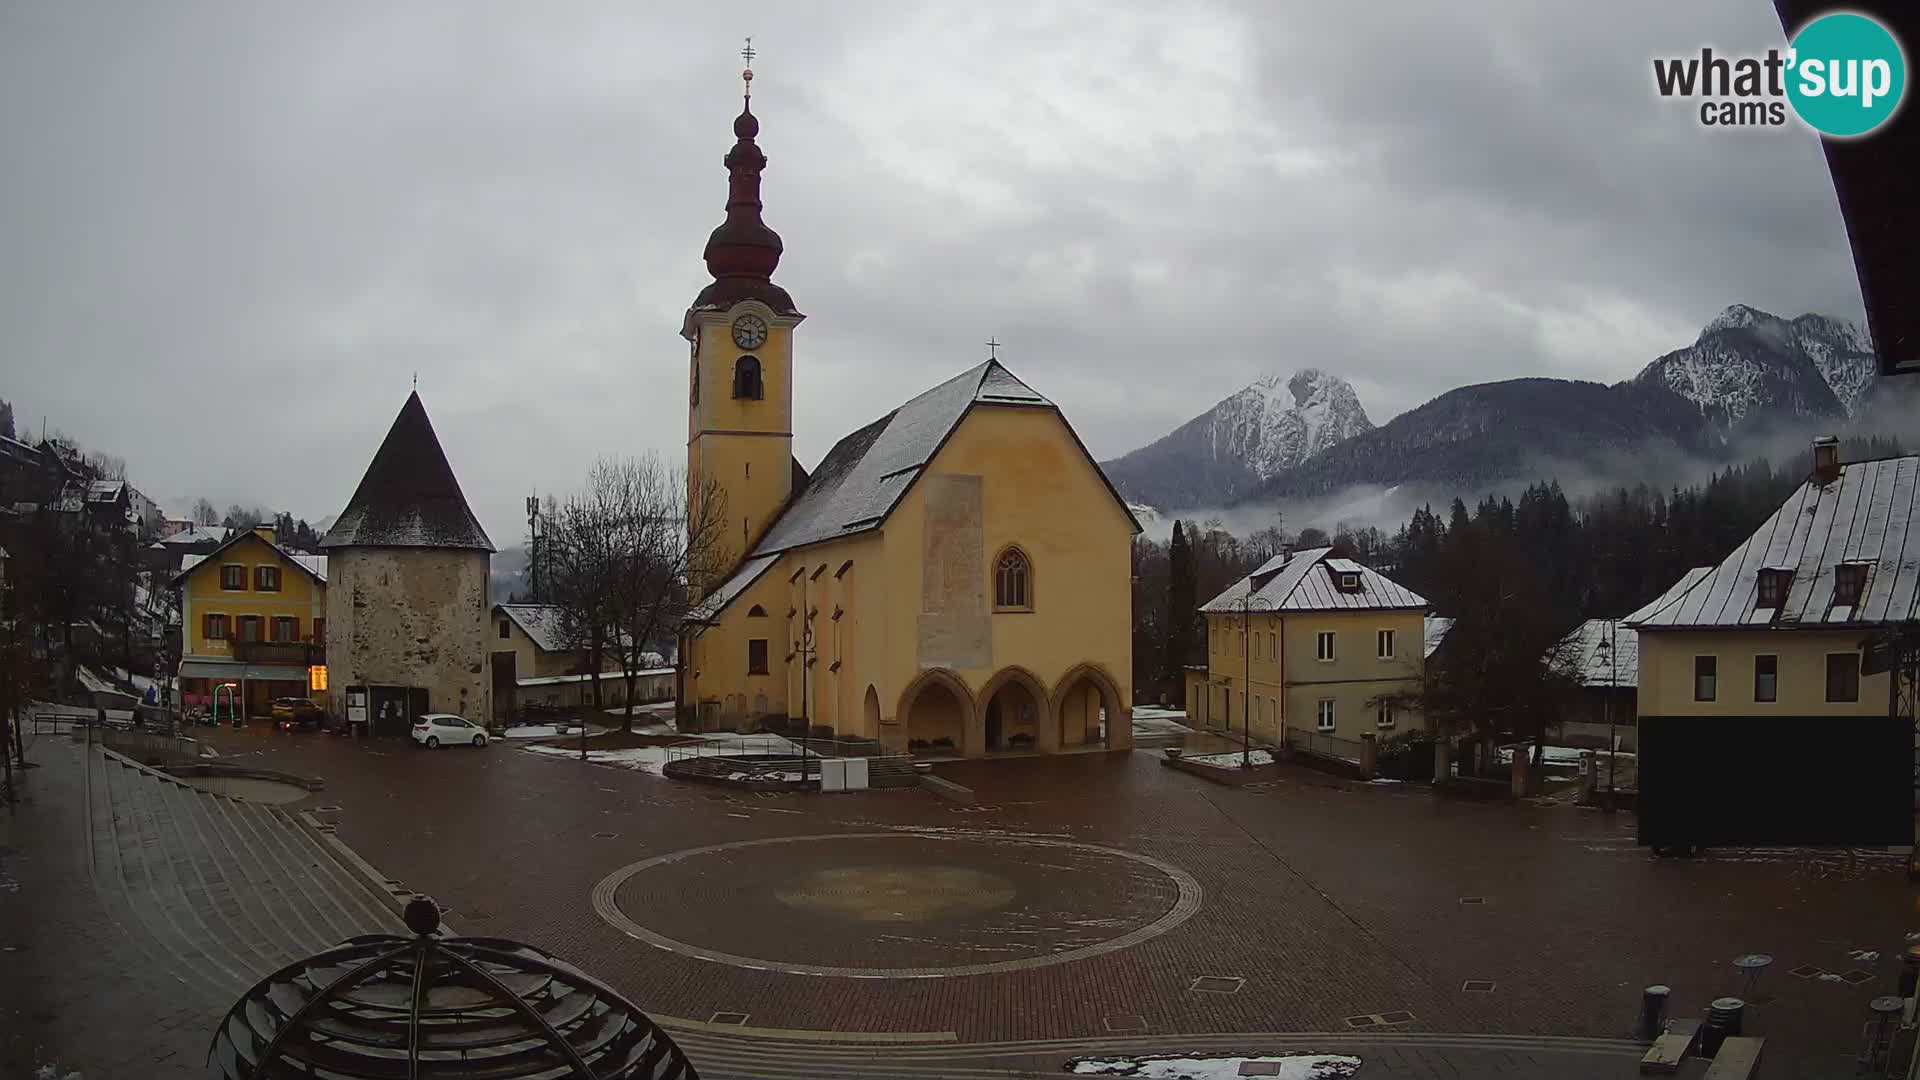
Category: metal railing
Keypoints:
(1324, 744)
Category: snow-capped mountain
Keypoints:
(1749, 366)
(1266, 428)
(1748, 372)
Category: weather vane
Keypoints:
(748, 54)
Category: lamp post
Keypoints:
(1246, 677)
(1610, 646)
(804, 650)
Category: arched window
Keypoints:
(1013, 581)
(756, 612)
(746, 378)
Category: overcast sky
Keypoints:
(234, 232)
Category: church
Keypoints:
(951, 580)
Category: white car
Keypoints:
(434, 729)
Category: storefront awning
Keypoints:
(234, 671)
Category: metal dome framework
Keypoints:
(386, 1007)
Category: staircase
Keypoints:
(221, 891)
(892, 771)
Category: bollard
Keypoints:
(1723, 1019)
(1910, 971)
(1653, 1011)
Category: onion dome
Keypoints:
(743, 252)
(429, 1006)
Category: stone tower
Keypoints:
(407, 596)
(740, 327)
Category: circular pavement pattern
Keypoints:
(897, 905)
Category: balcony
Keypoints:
(291, 653)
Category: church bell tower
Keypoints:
(740, 329)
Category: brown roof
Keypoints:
(409, 497)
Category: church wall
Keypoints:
(1008, 476)
(719, 657)
(411, 617)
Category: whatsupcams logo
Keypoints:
(1843, 75)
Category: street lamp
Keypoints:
(1610, 645)
(804, 648)
(1247, 607)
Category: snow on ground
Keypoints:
(1155, 712)
(1232, 759)
(1292, 1067)
(1568, 756)
(540, 731)
(651, 758)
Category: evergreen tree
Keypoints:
(1182, 603)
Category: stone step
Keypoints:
(192, 834)
(253, 867)
(147, 881)
(294, 875)
(109, 888)
(263, 908)
(370, 912)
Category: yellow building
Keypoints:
(252, 614)
(1761, 719)
(1313, 650)
(537, 668)
(953, 578)
(1777, 628)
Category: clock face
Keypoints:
(749, 331)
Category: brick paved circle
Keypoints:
(912, 912)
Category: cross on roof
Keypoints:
(746, 76)
(993, 349)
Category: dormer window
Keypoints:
(1849, 583)
(746, 378)
(1349, 582)
(1773, 587)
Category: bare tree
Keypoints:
(667, 534)
(204, 512)
(579, 552)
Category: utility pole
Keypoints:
(1613, 667)
(533, 541)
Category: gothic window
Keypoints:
(746, 378)
(756, 612)
(1012, 581)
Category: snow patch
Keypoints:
(1197, 1067)
(1232, 760)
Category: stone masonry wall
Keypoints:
(411, 617)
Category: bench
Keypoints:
(1667, 1051)
(1738, 1059)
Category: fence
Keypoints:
(1309, 741)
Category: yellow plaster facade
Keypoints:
(1668, 664)
(914, 655)
(225, 599)
(1338, 673)
(741, 442)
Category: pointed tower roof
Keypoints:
(742, 253)
(408, 498)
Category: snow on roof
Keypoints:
(105, 490)
(544, 623)
(857, 484)
(1287, 583)
(1865, 515)
(717, 601)
(315, 565)
(1600, 652)
(1687, 581)
(1437, 627)
(408, 497)
(192, 535)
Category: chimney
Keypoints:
(264, 532)
(1826, 460)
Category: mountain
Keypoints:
(1475, 435)
(1749, 366)
(1748, 374)
(1271, 426)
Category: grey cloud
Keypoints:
(236, 230)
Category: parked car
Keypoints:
(434, 729)
(297, 712)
